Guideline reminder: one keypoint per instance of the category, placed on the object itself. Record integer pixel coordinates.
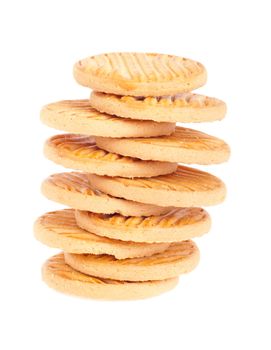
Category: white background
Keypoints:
(225, 303)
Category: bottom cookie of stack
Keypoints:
(60, 276)
(100, 267)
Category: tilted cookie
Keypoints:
(75, 190)
(183, 146)
(179, 258)
(58, 229)
(78, 116)
(81, 153)
(61, 277)
(174, 226)
(187, 187)
(185, 107)
(140, 74)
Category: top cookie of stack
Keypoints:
(129, 79)
(129, 152)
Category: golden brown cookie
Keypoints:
(61, 277)
(75, 190)
(81, 153)
(187, 187)
(183, 146)
(179, 258)
(174, 226)
(185, 107)
(140, 74)
(58, 229)
(78, 116)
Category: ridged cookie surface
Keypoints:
(140, 74)
(174, 226)
(75, 190)
(61, 277)
(179, 258)
(80, 152)
(78, 116)
(183, 146)
(185, 107)
(58, 229)
(186, 187)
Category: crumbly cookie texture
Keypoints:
(140, 74)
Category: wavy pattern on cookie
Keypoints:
(63, 223)
(81, 146)
(191, 139)
(89, 198)
(75, 108)
(185, 99)
(59, 229)
(80, 152)
(174, 218)
(74, 182)
(78, 117)
(186, 138)
(141, 67)
(182, 107)
(183, 179)
(57, 266)
(175, 252)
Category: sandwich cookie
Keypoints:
(61, 277)
(78, 116)
(183, 146)
(184, 107)
(177, 225)
(140, 74)
(75, 190)
(179, 258)
(81, 153)
(58, 229)
(186, 187)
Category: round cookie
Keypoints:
(179, 258)
(186, 187)
(61, 277)
(177, 225)
(140, 74)
(78, 116)
(58, 229)
(184, 108)
(81, 153)
(75, 190)
(183, 146)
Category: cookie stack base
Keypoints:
(61, 277)
(102, 268)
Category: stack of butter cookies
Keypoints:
(134, 204)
